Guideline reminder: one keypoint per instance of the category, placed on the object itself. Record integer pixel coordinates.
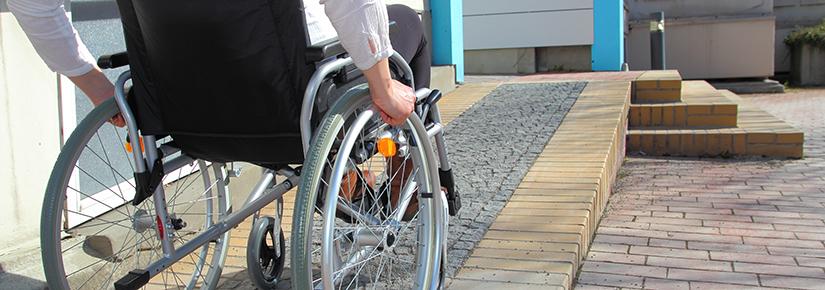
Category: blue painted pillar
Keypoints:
(448, 35)
(608, 35)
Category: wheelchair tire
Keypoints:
(91, 234)
(376, 250)
(264, 262)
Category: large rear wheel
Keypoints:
(92, 235)
(362, 217)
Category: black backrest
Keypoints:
(224, 77)
(216, 67)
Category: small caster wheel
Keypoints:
(265, 253)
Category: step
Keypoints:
(757, 133)
(701, 106)
(657, 87)
(442, 77)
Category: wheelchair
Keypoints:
(128, 210)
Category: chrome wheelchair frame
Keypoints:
(267, 191)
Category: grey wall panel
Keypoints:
(480, 7)
(552, 28)
(713, 49)
(641, 9)
(791, 14)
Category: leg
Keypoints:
(407, 38)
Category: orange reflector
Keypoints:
(387, 147)
(128, 145)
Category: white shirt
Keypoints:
(363, 29)
(361, 25)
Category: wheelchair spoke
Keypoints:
(100, 260)
(92, 198)
(193, 203)
(188, 183)
(114, 172)
(106, 160)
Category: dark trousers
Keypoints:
(407, 38)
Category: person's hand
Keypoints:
(99, 89)
(394, 100)
(395, 103)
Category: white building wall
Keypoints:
(495, 24)
(29, 133)
(641, 9)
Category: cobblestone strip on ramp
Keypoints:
(542, 232)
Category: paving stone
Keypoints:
(769, 213)
(653, 283)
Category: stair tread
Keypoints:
(750, 119)
(694, 93)
(659, 75)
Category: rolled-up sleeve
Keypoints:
(363, 29)
(51, 33)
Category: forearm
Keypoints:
(379, 78)
(95, 85)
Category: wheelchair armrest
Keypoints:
(323, 51)
(113, 60)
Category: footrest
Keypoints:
(453, 198)
(134, 280)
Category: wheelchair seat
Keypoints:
(224, 79)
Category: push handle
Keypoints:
(111, 61)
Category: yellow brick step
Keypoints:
(657, 87)
(757, 133)
(702, 106)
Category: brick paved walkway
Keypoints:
(719, 224)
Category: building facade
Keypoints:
(527, 36)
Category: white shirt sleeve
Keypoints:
(51, 33)
(363, 29)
